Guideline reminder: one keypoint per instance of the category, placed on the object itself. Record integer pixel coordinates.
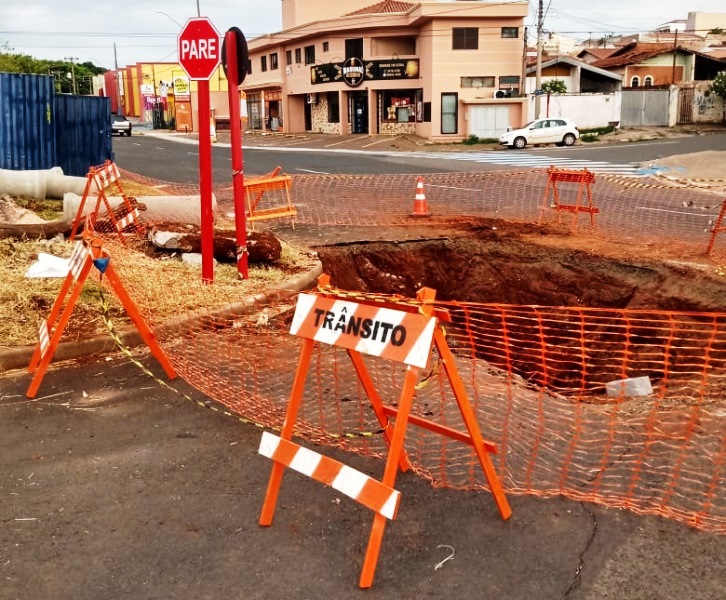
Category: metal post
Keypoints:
(538, 76)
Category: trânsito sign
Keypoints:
(397, 335)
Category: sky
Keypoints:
(146, 30)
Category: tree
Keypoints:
(555, 86)
(718, 87)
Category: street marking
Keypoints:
(676, 212)
(311, 171)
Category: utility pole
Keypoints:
(199, 12)
(675, 52)
(538, 75)
(523, 84)
(117, 83)
(73, 73)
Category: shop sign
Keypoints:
(354, 71)
(181, 89)
(395, 69)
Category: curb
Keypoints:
(19, 358)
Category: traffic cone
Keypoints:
(420, 205)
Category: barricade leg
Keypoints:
(472, 426)
(58, 329)
(135, 316)
(273, 487)
(376, 404)
(389, 475)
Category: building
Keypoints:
(652, 65)
(439, 70)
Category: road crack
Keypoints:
(577, 579)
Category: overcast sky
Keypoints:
(87, 31)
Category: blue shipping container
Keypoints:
(27, 133)
(82, 133)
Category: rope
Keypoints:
(203, 403)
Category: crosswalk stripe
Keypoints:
(530, 160)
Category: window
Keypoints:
(273, 61)
(298, 56)
(635, 81)
(263, 63)
(354, 48)
(648, 81)
(510, 83)
(333, 107)
(288, 57)
(510, 32)
(309, 55)
(399, 106)
(326, 46)
(249, 66)
(477, 82)
(465, 38)
(449, 113)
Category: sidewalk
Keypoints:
(410, 143)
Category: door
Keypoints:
(449, 113)
(359, 112)
(488, 122)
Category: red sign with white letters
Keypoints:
(200, 48)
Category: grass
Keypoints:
(160, 284)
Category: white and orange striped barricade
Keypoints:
(88, 252)
(402, 332)
(584, 179)
(268, 197)
(122, 217)
(717, 228)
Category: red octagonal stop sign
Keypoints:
(199, 48)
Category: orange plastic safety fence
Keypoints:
(546, 382)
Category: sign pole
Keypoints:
(238, 176)
(199, 55)
(205, 182)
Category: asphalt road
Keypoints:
(170, 160)
(114, 487)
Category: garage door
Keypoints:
(488, 121)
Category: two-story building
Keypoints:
(440, 70)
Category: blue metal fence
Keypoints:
(40, 130)
(82, 132)
(27, 135)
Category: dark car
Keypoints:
(120, 125)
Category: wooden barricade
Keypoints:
(259, 191)
(717, 228)
(88, 252)
(401, 332)
(99, 179)
(584, 179)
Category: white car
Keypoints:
(562, 132)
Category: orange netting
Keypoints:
(538, 376)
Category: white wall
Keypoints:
(587, 111)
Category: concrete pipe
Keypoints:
(171, 209)
(40, 184)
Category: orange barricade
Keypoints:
(88, 252)
(260, 192)
(99, 180)
(717, 228)
(584, 179)
(401, 332)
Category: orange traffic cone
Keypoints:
(420, 205)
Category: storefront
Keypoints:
(379, 106)
(264, 108)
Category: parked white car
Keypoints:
(562, 132)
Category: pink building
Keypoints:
(441, 70)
